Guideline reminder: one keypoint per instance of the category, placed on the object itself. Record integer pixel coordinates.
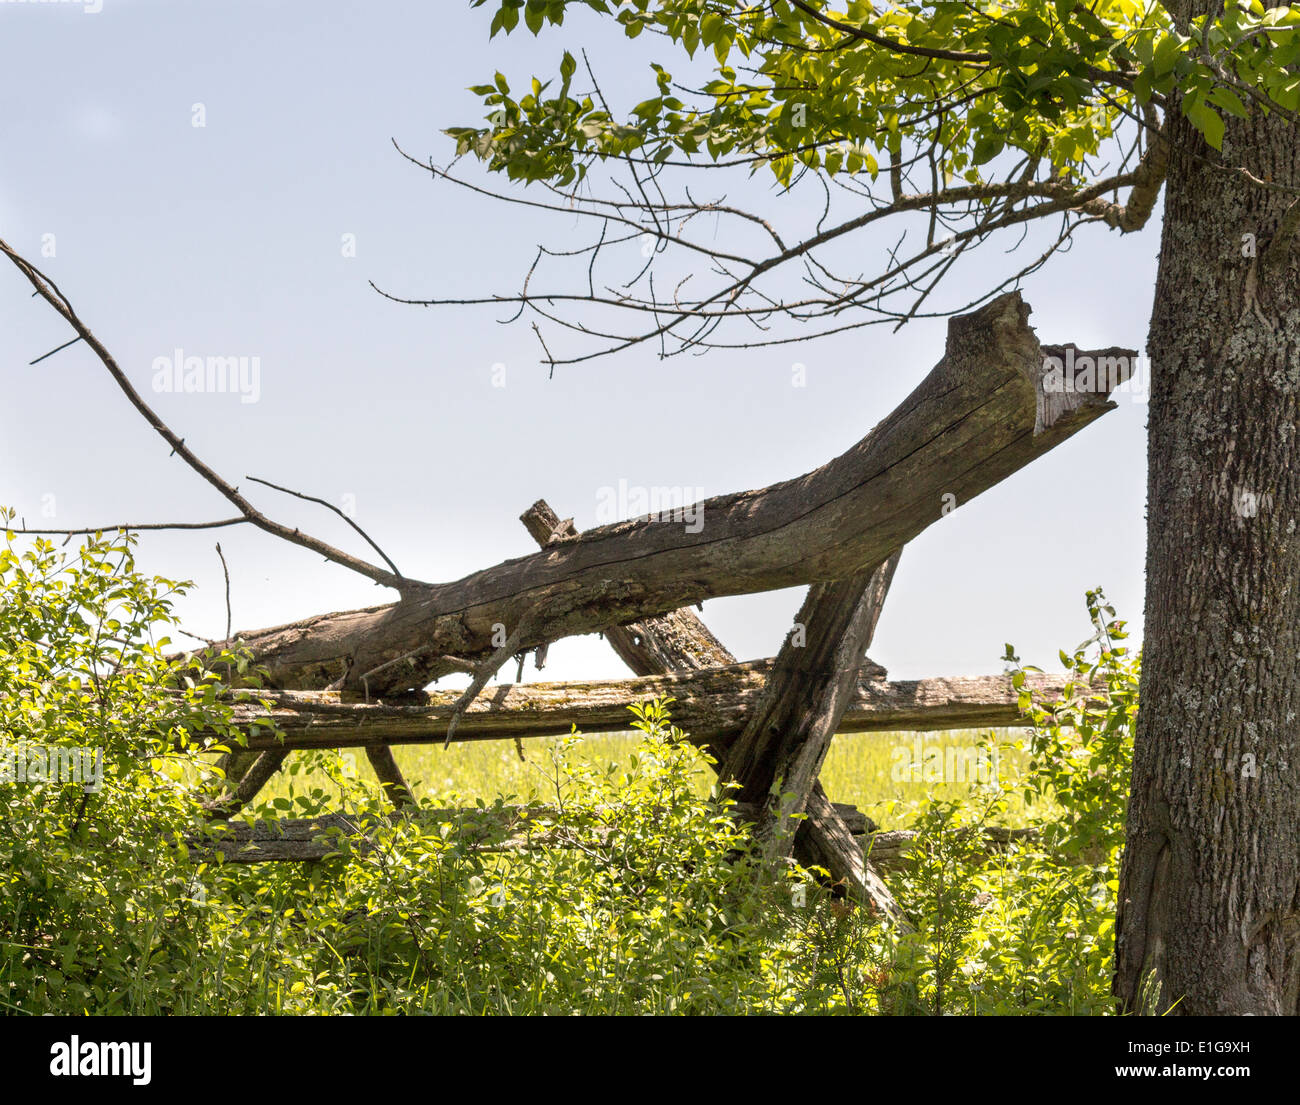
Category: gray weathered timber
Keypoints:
(825, 839)
(710, 705)
(777, 757)
(679, 641)
(808, 689)
(673, 641)
(968, 425)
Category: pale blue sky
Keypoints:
(225, 240)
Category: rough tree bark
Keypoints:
(1210, 887)
(975, 419)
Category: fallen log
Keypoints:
(711, 707)
(673, 641)
(979, 416)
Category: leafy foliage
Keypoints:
(95, 891)
(801, 84)
(1029, 928)
(631, 890)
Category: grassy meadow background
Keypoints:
(858, 770)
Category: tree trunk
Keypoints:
(1209, 889)
(979, 416)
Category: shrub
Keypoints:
(95, 891)
(631, 890)
(1030, 929)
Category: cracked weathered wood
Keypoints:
(825, 839)
(679, 641)
(288, 839)
(968, 425)
(777, 757)
(675, 641)
(810, 685)
(711, 706)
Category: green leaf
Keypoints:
(1166, 54)
(987, 148)
(1229, 101)
(1205, 119)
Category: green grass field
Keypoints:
(859, 769)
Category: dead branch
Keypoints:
(49, 292)
(982, 403)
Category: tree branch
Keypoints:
(48, 291)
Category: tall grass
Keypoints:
(859, 770)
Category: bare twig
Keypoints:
(337, 510)
(226, 571)
(56, 349)
(48, 291)
(132, 527)
(486, 670)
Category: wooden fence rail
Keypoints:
(710, 706)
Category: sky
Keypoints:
(257, 233)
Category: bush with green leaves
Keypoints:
(635, 895)
(1029, 928)
(95, 889)
(630, 889)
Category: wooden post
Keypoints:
(254, 779)
(680, 641)
(778, 756)
(786, 738)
